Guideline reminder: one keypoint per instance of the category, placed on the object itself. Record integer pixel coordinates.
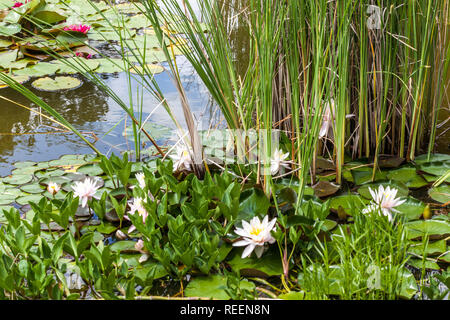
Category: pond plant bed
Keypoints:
(136, 227)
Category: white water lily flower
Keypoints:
(53, 187)
(255, 234)
(85, 190)
(136, 205)
(384, 200)
(277, 161)
(182, 159)
(141, 179)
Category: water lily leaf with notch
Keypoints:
(19, 79)
(29, 198)
(150, 55)
(149, 68)
(7, 57)
(252, 202)
(9, 29)
(109, 65)
(49, 14)
(418, 263)
(138, 21)
(350, 203)
(57, 84)
(437, 168)
(325, 188)
(434, 228)
(440, 194)
(70, 39)
(51, 172)
(25, 170)
(38, 70)
(213, 287)
(90, 169)
(268, 265)
(434, 157)
(407, 175)
(412, 208)
(16, 15)
(18, 179)
(72, 65)
(32, 188)
(7, 198)
(432, 249)
(402, 189)
(364, 175)
(24, 164)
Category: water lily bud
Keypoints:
(121, 235)
(53, 188)
(427, 213)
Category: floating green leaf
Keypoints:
(213, 287)
(59, 83)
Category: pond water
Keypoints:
(26, 135)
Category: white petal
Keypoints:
(248, 250)
(241, 243)
(259, 251)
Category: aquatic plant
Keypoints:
(85, 190)
(255, 235)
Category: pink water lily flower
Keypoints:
(78, 28)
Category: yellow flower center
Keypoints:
(255, 231)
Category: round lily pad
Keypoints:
(153, 68)
(18, 179)
(19, 78)
(59, 83)
(440, 194)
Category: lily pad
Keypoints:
(440, 194)
(325, 188)
(407, 175)
(59, 83)
(412, 208)
(20, 79)
(18, 179)
(213, 287)
(433, 227)
(149, 68)
(268, 265)
(350, 203)
(109, 65)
